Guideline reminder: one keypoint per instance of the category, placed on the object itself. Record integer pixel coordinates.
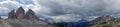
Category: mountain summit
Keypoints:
(12, 14)
(30, 15)
(20, 13)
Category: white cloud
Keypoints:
(84, 8)
(67, 18)
(10, 5)
(3, 11)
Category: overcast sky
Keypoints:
(65, 10)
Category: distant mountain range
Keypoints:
(102, 21)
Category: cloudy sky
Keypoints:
(64, 10)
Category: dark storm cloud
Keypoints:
(81, 7)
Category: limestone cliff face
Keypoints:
(20, 13)
(30, 15)
(12, 14)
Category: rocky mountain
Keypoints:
(18, 18)
(105, 21)
(30, 15)
(20, 13)
(12, 14)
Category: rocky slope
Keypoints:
(27, 23)
(105, 21)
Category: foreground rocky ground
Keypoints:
(23, 23)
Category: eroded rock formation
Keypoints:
(20, 13)
(12, 14)
(30, 15)
(20, 19)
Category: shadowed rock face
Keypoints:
(20, 13)
(12, 14)
(0, 17)
(30, 15)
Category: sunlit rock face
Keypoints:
(30, 15)
(20, 13)
(12, 14)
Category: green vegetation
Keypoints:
(106, 25)
(104, 22)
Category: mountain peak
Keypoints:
(20, 12)
(12, 14)
(16, 19)
(30, 15)
(30, 11)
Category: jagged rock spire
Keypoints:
(20, 13)
(30, 15)
(12, 14)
